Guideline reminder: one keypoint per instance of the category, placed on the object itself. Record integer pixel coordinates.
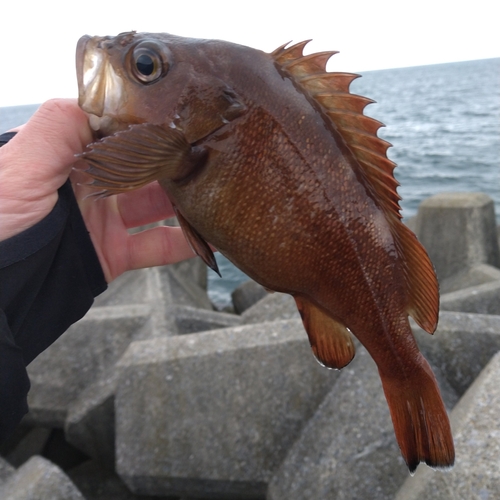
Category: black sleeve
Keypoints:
(49, 276)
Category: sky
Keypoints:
(38, 38)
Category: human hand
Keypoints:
(37, 162)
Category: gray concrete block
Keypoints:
(39, 479)
(6, 470)
(461, 346)
(33, 443)
(212, 415)
(182, 284)
(480, 299)
(78, 358)
(246, 295)
(459, 231)
(193, 270)
(90, 423)
(100, 483)
(471, 276)
(275, 306)
(411, 223)
(474, 420)
(129, 288)
(177, 290)
(347, 450)
(137, 287)
(192, 320)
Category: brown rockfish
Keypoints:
(270, 159)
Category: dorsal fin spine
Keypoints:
(344, 100)
(350, 119)
(328, 81)
(309, 65)
(282, 54)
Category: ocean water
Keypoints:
(442, 120)
(444, 124)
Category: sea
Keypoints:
(443, 121)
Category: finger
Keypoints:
(144, 206)
(157, 247)
(44, 148)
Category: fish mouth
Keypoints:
(101, 90)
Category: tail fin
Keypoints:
(420, 420)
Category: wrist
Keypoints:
(16, 216)
(22, 203)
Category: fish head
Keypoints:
(113, 73)
(162, 79)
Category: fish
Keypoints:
(269, 159)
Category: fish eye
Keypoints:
(147, 64)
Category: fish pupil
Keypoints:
(145, 65)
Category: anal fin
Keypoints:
(331, 342)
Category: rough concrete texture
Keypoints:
(481, 299)
(78, 358)
(192, 319)
(39, 479)
(32, 443)
(90, 423)
(462, 346)
(90, 418)
(6, 470)
(139, 304)
(348, 449)
(273, 307)
(246, 295)
(179, 289)
(193, 271)
(471, 276)
(216, 411)
(129, 288)
(476, 474)
(459, 231)
(100, 483)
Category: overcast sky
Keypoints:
(38, 38)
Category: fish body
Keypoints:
(269, 158)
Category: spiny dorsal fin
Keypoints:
(359, 132)
(345, 111)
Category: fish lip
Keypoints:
(80, 58)
(100, 88)
(89, 69)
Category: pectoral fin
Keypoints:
(139, 155)
(331, 342)
(199, 246)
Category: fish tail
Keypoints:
(419, 417)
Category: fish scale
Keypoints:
(269, 159)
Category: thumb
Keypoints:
(37, 162)
(43, 150)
